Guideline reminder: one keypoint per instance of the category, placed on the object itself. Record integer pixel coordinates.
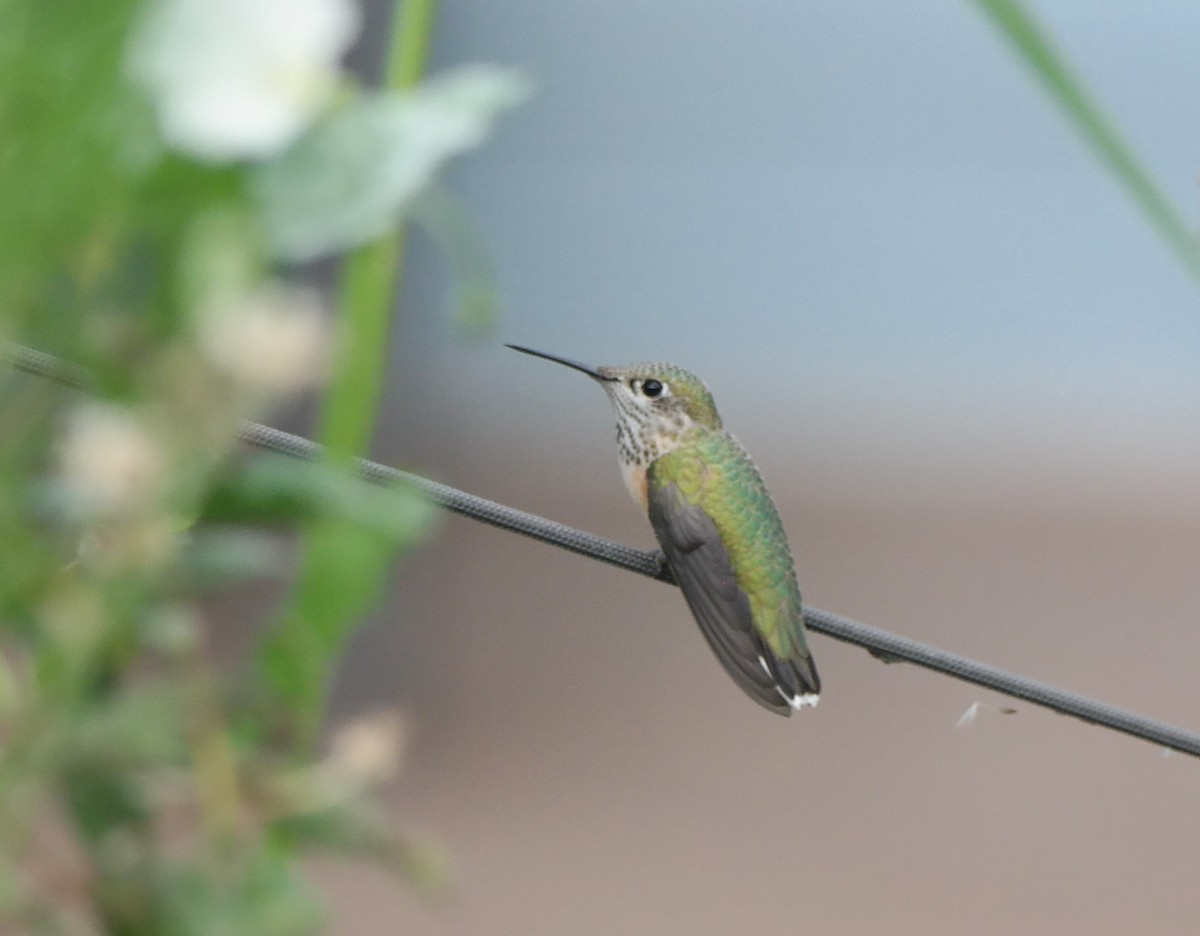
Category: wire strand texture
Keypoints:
(879, 643)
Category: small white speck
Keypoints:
(762, 661)
(968, 716)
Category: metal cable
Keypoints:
(880, 643)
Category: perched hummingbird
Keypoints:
(720, 532)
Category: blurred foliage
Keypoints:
(156, 175)
(1030, 40)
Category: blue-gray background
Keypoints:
(862, 223)
(967, 368)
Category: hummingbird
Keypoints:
(718, 527)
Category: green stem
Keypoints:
(1030, 41)
(372, 274)
(297, 658)
(411, 32)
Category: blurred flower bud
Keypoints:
(109, 464)
(272, 340)
(367, 751)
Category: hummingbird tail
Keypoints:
(796, 680)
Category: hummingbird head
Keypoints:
(657, 405)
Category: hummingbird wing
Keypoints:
(703, 569)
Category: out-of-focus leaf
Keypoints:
(265, 898)
(64, 114)
(342, 581)
(11, 898)
(443, 216)
(275, 490)
(276, 901)
(120, 733)
(271, 491)
(1034, 45)
(356, 829)
(137, 728)
(101, 802)
(352, 567)
(222, 555)
(351, 177)
(354, 530)
(10, 689)
(217, 257)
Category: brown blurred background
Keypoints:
(592, 770)
(967, 371)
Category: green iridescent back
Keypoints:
(713, 471)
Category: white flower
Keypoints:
(108, 462)
(234, 79)
(272, 340)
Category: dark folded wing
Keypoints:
(702, 566)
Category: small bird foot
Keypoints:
(664, 570)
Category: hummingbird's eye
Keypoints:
(652, 388)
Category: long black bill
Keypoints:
(575, 365)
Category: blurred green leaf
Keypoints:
(264, 898)
(341, 568)
(355, 529)
(356, 829)
(65, 119)
(11, 897)
(102, 801)
(352, 563)
(275, 900)
(118, 724)
(345, 569)
(278, 490)
(131, 730)
(10, 690)
(443, 216)
(1033, 44)
(352, 176)
(217, 556)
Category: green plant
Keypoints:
(166, 167)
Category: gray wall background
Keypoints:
(967, 369)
